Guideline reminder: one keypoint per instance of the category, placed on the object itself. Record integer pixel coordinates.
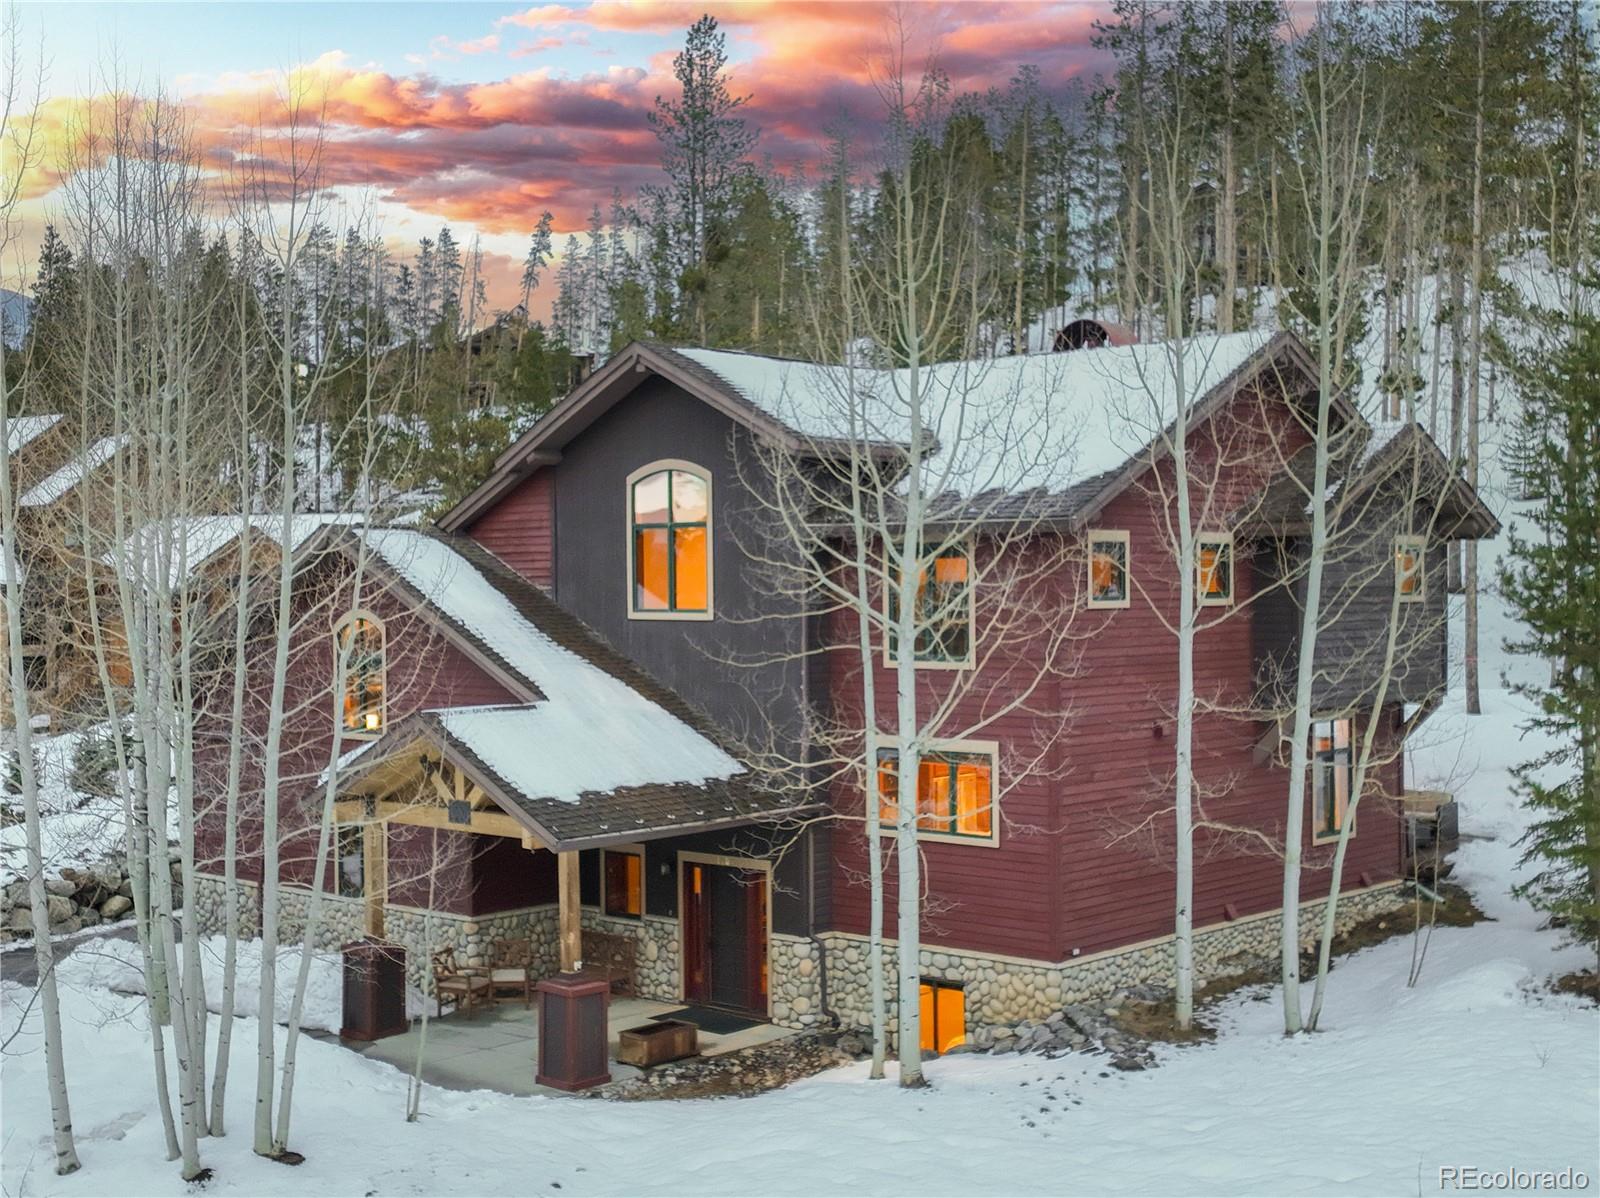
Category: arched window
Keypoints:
(669, 542)
(358, 646)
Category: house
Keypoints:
(52, 473)
(550, 705)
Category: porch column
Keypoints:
(567, 899)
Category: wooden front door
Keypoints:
(724, 928)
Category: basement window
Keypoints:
(1108, 569)
(359, 651)
(624, 883)
(1408, 576)
(1332, 777)
(944, 1015)
(1214, 570)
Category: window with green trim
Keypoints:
(955, 792)
(670, 514)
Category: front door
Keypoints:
(725, 936)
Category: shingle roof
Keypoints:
(601, 750)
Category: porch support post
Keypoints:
(571, 928)
(375, 868)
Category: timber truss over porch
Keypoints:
(421, 775)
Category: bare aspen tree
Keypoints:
(21, 152)
(1330, 175)
(891, 514)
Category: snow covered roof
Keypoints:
(1006, 424)
(187, 543)
(587, 731)
(20, 430)
(60, 483)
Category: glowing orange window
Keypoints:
(955, 793)
(670, 513)
(1408, 568)
(944, 1016)
(1108, 569)
(624, 877)
(359, 648)
(1215, 567)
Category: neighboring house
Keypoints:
(581, 659)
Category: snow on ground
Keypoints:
(76, 829)
(115, 965)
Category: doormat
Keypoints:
(711, 1020)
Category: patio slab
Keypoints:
(498, 1049)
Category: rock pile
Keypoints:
(747, 1071)
(76, 899)
(1077, 1027)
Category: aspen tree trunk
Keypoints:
(330, 794)
(1474, 698)
(266, 1024)
(66, 1152)
(230, 827)
(1227, 215)
(908, 914)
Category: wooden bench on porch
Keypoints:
(613, 955)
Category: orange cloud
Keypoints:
(495, 154)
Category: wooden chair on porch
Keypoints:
(465, 988)
(511, 976)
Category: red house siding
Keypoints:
(1084, 862)
(521, 529)
(424, 671)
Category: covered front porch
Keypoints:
(443, 855)
(497, 1049)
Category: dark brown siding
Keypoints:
(521, 529)
(1352, 639)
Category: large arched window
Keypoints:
(669, 542)
(358, 645)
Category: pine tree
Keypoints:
(705, 150)
(1553, 582)
(538, 255)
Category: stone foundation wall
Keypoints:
(999, 990)
(1005, 989)
(422, 933)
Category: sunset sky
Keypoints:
(483, 115)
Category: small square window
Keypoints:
(1409, 577)
(624, 883)
(1108, 569)
(1214, 570)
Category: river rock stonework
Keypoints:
(422, 933)
(1005, 990)
(655, 951)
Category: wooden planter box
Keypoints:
(658, 1043)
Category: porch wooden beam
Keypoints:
(567, 895)
(485, 823)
